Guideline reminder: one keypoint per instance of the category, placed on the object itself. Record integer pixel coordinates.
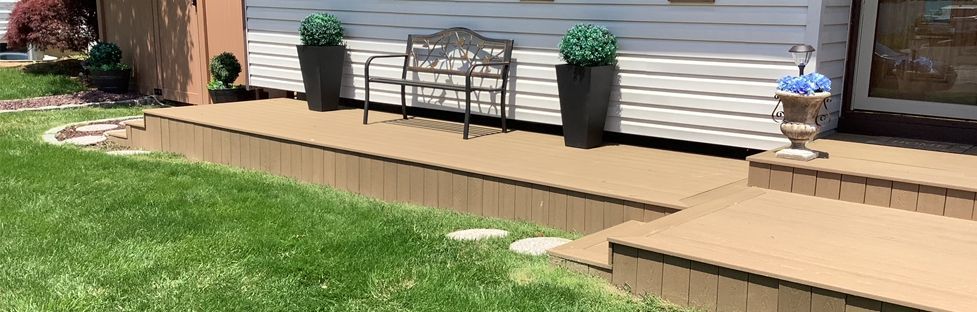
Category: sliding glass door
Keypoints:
(917, 57)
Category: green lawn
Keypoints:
(15, 84)
(83, 231)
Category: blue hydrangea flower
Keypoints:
(822, 83)
(806, 84)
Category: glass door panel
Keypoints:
(918, 57)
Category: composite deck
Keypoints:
(580, 190)
(894, 257)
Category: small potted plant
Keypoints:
(585, 82)
(802, 98)
(321, 57)
(106, 70)
(224, 70)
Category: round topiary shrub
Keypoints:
(321, 29)
(105, 56)
(224, 69)
(589, 45)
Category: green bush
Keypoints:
(589, 45)
(105, 56)
(321, 29)
(224, 69)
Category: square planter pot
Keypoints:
(230, 95)
(585, 93)
(111, 81)
(322, 73)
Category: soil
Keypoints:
(83, 97)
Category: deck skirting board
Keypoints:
(921, 198)
(710, 288)
(396, 180)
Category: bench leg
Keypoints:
(502, 110)
(366, 103)
(403, 100)
(468, 112)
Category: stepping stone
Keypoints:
(97, 128)
(537, 246)
(86, 140)
(477, 234)
(127, 153)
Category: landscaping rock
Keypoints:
(128, 153)
(97, 128)
(477, 234)
(86, 140)
(537, 246)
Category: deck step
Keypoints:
(787, 246)
(118, 134)
(136, 123)
(594, 249)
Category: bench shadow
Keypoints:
(443, 126)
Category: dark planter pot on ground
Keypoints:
(584, 95)
(112, 81)
(231, 95)
(322, 72)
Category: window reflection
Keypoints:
(926, 51)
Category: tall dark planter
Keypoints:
(584, 95)
(111, 81)
(322, 72)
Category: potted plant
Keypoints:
(802, 98)
(106, 70)
(224, 70)
(585, 82)
(321, 57)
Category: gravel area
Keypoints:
(83, 97)
(76, 131)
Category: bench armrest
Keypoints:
(471, 71)
(369, 61)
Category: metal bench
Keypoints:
(453, 52)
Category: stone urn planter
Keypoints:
(801, 114)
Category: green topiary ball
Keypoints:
(104, 55)
(321, 29)
(225, 68)
(589, 45)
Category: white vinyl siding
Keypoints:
(6, 6)
(695, 72)
(832, 44)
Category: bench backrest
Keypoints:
(453, 51)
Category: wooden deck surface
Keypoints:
(915, 260)
(650, 176)
(938, 169)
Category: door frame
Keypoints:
(893, 124)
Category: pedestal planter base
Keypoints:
(797, 154)
(322, 73)
(585, 93)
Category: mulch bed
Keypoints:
(83, 97)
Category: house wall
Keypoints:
(6, 6)
(696, 72)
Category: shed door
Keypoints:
(181, 49)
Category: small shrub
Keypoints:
(321, 29)
(805, 85)
(224, 69)
(105, 56)
(589, 45)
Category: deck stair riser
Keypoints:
(923, 181)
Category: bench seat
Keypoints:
(427, 84)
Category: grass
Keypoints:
(83, 231)
(16, 84)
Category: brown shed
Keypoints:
(168, 42)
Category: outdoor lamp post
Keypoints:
(802, 55)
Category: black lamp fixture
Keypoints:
(802, 55)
